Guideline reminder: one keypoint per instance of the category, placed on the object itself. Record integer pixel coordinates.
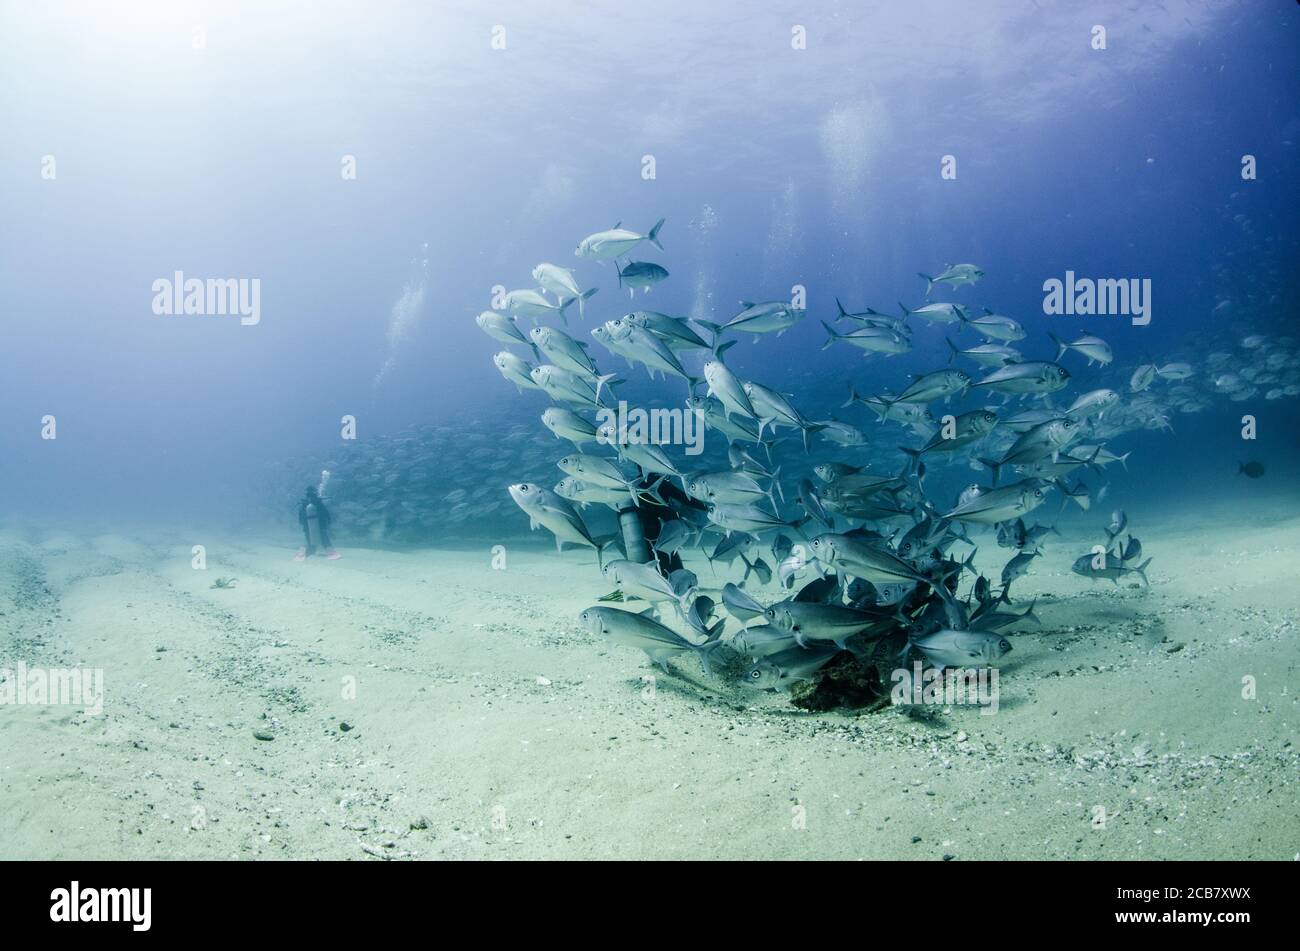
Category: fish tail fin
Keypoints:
(607, 379)
(749, 568)
(773, 487)
(683, 602)
(929, 282)
(809, 428)
(952, 347)
(1030, 615)
(604, 544)
(1142, 572)
(831, 335)
(990, 464)
(913, 459)
(853, 396)
(906, 312)
(652, 490)
(1061, 348)
(705, 651)
(1123, 460)
(843, 313)
(1080, 495)
(715, 329)
(582, 299)
(653, 236)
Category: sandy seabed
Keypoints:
(422, 705)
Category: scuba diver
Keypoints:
(642, 526)
(314, 518)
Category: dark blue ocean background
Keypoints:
(775, 167)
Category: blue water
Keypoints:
(774, 167)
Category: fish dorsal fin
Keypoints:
(617, 225)
(747, 303)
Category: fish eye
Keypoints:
(523, 487)
(755, 673)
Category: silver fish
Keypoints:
(954, 275)
(644, 633)
(1094, 348)
(724, 385)
(1142, 377)
(745, 518)
(822, 622)
(991, 506)
(616, 242)
(997, 327)
(1113, 568)
(563, 351)
(642, 274)
(517, 371)
(1028, 377)
(566, 424)
(871, 339)
(782, 670)
(548, 510)
(561, 282)
(767, 317)
(949, 648)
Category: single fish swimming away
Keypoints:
(954, 275)
(616, 242)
